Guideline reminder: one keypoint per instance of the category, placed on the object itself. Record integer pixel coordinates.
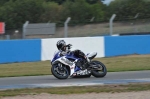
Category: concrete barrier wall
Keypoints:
(43, 49)
(86, 44)
(125, 45)
(20, 51)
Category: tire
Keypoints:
(99, 73)
(56, 71)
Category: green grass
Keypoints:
(127, 63)
(113, 64)
(78, 90)
(25, 69)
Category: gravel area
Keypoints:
(124, 95)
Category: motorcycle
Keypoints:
(70, 65)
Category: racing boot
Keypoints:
(87, 59)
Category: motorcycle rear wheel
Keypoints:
(99, 72)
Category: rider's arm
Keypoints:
(69, 46)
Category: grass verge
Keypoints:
(78, 90)
(113, 64)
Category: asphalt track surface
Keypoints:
(51, 81)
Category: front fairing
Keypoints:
(56, 56)
(69, 56)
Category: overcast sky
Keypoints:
(106, 1)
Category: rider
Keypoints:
(65, 49)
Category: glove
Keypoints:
(69, 46)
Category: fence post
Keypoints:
(24, 29)
(111, 23)
(7, 37)
(66, 27)
(135, 17)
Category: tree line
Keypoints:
(15, 12)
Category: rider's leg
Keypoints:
(79, 53)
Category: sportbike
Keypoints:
(72, 66)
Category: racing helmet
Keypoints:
(61, 44)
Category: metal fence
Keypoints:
(38, 29)
(135, 26)
(132, 26)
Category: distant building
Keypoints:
(107, 2)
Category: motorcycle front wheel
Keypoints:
(59, 71)
(99, 69)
